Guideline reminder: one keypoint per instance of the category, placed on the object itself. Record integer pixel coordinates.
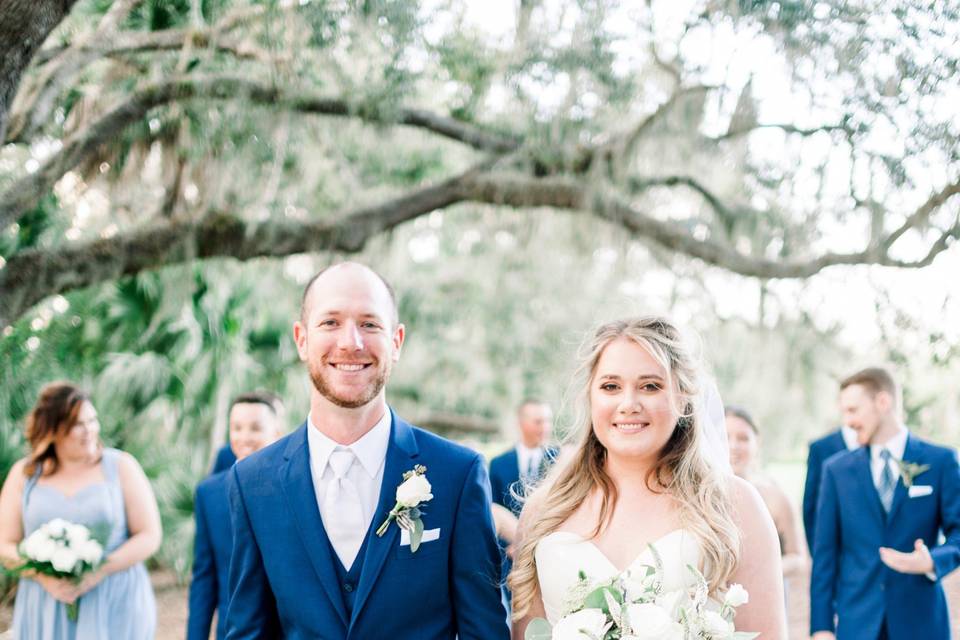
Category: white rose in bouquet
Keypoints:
(90, 552)
(64, 559)
(585, 624)
(716, 626)
(56, 527)
(77, 534)
(42, 549)
(413, 491)
(670, 602)
(736, 596)
(648, 621)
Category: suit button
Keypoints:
(348, 587)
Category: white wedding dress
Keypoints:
(562, 555)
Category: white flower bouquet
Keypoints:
(634, 606)
(61, 549)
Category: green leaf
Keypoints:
(415, 535)
(597, 599)
(538, 629)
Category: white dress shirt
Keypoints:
(849, 438)
(367, 476)
(527, 456)
(895, 446)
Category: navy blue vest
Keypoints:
(349, 580)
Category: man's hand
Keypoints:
(917, 561)
(823, 635)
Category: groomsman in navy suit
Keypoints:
(521, 466)
(255, 421)
(877, 567)
(528, 460)
(359, 525)
(843, 439)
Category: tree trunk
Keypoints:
(24, 25)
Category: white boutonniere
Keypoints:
(412, 492)
(910, 470)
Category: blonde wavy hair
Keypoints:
(700, 489)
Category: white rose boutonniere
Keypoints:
(412, 492)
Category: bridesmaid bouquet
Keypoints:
(634, 606)
(61, 549)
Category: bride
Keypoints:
(649, 467)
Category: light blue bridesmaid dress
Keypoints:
(122, 606)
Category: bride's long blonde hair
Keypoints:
(682, 470)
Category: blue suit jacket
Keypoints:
(820, 450)
(282, 579)
(848, 577)
(211, 558)
(225, 459)
(505, 473)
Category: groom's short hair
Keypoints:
(874, 380)
(390, 291)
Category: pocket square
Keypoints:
(429, 535)
(919, 490)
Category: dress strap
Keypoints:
(29, 485)
(110, 462)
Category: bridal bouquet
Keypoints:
(634, 606)
(61, 549)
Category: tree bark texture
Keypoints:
(24, 25)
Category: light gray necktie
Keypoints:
(342, 511)
(886, 483)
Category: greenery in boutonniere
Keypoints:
(412, 492)
(910, 470)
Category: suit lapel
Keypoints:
(911, 453)
(401, 453)
(868, 488)
(297, 482)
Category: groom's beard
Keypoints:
(319, 373)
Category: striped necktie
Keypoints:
(886, 483)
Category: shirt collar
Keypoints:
(370, 449)
(526, 451)
(895, 445)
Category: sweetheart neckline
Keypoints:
(71, 496)
(592, 544)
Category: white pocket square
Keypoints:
(919, 490)
(429, 535)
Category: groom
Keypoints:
(309, 560)
(877, 566)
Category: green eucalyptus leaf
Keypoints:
(538, 629)
(416, 534)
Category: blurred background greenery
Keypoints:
(782, 177)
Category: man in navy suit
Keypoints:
(253, 424)
(528, 460)
(877, 567)
(325, 546)
(843, 439)
(521, 466)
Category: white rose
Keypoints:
(650, 622)
(716, 626)
(413, 491)
(90, 551)
(670, 601)
(585, 624)
(56, 527)
(77, 534)
(64, 559)
(736, 596)
(43, 549)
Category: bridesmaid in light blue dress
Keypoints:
(109, 494)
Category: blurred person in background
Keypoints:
(255, 421)
(841, 439)
(516, 470)
(69, 474)
(743, 437)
